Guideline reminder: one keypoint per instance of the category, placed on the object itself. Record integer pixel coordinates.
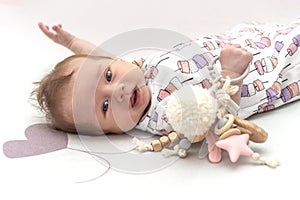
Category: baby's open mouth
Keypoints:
(134, 97)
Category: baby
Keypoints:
(94, 93)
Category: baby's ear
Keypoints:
(41, 139)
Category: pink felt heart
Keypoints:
(41, 139)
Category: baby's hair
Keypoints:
(50, 93)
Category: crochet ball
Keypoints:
(191, 111)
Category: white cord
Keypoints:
(213, 73)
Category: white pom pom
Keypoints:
(191, 111)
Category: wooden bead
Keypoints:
(164, 140)
(156, 145)
(173, 137)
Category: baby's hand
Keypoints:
(234, 60)
(57, 34)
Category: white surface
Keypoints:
(26, 55)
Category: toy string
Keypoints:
(95, 154)
(234, 80)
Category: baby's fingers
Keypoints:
(229, 44)
(249, 56)
(57, 28)
(45, 29)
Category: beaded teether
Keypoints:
(207, 116)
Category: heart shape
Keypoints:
(41, 139)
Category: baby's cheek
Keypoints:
(121, 115)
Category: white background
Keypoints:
(26, 54)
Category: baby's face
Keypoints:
(122, 97)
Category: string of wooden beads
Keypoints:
(159, 144)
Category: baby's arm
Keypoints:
(234, 61)
(66, 39)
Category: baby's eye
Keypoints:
(105, 106)
(108, 75)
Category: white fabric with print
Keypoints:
(274, 77)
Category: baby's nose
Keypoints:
(119, 92)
